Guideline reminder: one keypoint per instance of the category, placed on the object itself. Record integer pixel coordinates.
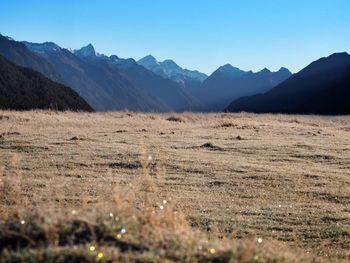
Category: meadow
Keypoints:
(136, 187)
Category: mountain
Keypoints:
(113, 83)
(228, 83)
(88, 51)
(169, 69)
(106, 83)
(23, 89)
(18, 53)
(105, 89)
(323, 87)
(166, 94)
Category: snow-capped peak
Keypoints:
(42, 47)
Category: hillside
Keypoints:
(323, 87)
(18, 54)
(23, 89)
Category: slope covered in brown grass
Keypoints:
(236, 178)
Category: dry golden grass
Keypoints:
(285, 179)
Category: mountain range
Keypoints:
(323, 87)
(109, 83)
(229, 83)
(218, 90)
(112, 83)
(24, 89)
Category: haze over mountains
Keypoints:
(110, 83)
(220, 88)
(113, 83)
(229, 83)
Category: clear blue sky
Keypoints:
(202, 34)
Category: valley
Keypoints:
(281, 178)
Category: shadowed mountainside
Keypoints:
(105, 89)
(23, 89)
(106, 83)
(323, 87)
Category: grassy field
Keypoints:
(174, 187)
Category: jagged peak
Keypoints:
(86, 51)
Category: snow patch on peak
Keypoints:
(169, 69)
